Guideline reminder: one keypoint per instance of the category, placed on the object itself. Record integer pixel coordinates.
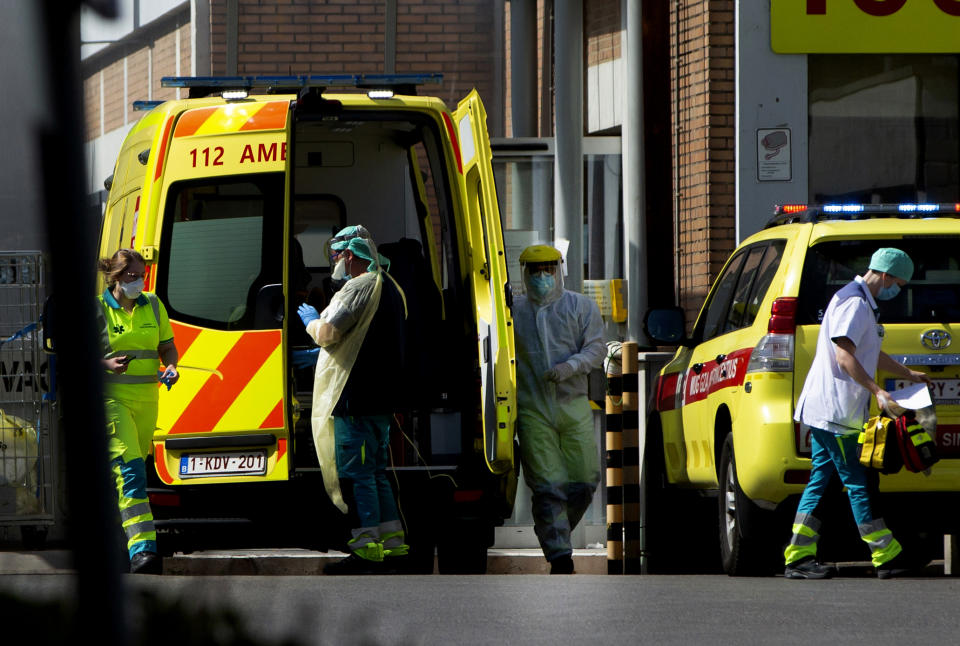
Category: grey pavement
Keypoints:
(288, 562)
(588, 609)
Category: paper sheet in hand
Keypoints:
(913, 397)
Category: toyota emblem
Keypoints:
(936, 339)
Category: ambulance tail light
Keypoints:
(774, 352)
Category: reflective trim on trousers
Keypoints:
(803, 540)
(883, 546)
(135, 513)
(139, 509)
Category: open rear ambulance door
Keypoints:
(220, 259)
(488, 277)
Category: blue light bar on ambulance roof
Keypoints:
(301, 81)
(142, 106)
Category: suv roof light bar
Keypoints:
(792, 213)
(200, 86)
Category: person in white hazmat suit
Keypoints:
(361, 338)
(559, 337)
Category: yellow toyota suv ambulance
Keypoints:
(724, 458)
(232, 195)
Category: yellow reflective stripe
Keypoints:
(885, 554)
(258, 398)
(920, 438)
(803, 530)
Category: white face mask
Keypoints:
(132, 290)
(339, 270)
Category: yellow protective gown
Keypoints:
(338, 351)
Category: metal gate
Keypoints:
(27, 404)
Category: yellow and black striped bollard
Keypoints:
(631, 459)
(614, 479)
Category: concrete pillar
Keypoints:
(634, 210)
(568, 107)
(523, 104)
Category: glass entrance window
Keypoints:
(884, 128)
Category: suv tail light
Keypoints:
(783, 316)
(774, 352)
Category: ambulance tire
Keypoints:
(675, 543)
(748, 545)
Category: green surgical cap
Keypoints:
(339, 241)
(892, 261)
(359, 247)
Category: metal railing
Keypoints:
(27, 469)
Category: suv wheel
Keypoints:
(747, 544)
(674, 543)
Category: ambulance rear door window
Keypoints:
(222, 242)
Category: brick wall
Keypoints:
(454, 37)
(139, 68)
(702, 96)
(601, 31)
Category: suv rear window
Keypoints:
(932, 295)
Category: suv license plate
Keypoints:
(943, 391)
(233, 463)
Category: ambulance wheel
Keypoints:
(748, 546)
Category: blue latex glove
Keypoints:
(168, 377)
(308, 313)
(305, 358)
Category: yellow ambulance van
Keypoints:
(232, 195)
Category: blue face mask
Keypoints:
(541, 284)
(886, 293)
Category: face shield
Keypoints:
(543, 281)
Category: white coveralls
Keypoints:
(558, 451)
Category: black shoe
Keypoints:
(899, 565)
(353, 564)
(562, 565)
(808, 568)
(146, 563)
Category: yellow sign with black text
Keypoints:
(865, 26)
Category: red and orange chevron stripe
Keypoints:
(233, 117)
(230, 381)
